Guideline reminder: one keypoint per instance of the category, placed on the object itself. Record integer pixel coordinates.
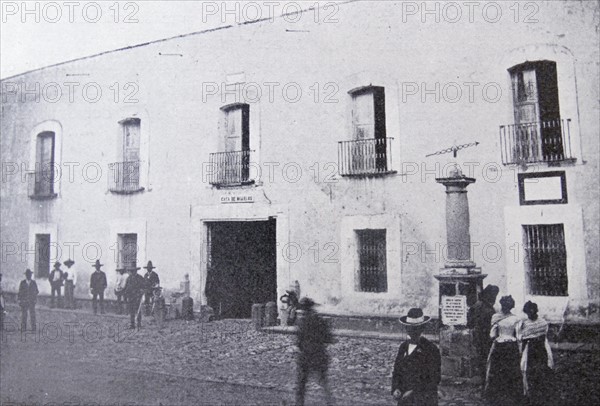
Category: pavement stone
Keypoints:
(233, 351)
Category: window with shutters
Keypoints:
(372, 260)
(41, 181)
(539, 134)
(232, 165)
(369, 151)
(546, 259)
(124, 176)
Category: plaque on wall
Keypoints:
(543, 188)
(454, 310)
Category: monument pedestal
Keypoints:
(461, 282)
(457, 293)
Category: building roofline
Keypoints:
(244, 23)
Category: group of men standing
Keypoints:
(129, 289)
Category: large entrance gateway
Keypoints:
(242, 267)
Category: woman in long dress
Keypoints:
(536, 360)
(503, 385)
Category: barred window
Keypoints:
(546, 259)
(372, 273)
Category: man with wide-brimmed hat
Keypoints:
(152, 281)
(417, 370)
(97, 286)
(134, 290)
(314, 334)
(56, 281)
(27, 298)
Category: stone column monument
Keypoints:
(461, 281)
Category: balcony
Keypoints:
(124, 177)
(230, 168)
(544, 141)
(365, 157)
(40, 184)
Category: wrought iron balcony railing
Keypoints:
(124, 177)
(371, 156)
(544, 141)
(40, 184)
(230, 168)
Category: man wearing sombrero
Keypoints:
(417, 370)
(152, 281)
(97, 286)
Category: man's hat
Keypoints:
(57, 264)
(149, 266)
(414, 317)
(97, 265)
(132, 268)
(69, 262)
(28, 272)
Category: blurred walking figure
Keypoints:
(314, 334)
(536, 359)
(417, 370)
(152, 281)
(503, 384)
(480, 320)
(27, 297)
(134, 290)
(120, 289)
(70, 277)
(97, 286)
(56, 281)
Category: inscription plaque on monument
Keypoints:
(454, 310)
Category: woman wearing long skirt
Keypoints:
(503, 385)
(536, 360)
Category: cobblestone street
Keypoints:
(228, 362)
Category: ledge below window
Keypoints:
(126, 192)
(368, 175)
(46, 196)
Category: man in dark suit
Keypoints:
(56, 281)
(134, 290)
(152, 282)
(27, 297)
(97, 286)
(417, 370)
(314, 334)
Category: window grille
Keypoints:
(372, 273)
(546, 259)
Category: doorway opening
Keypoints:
(242, 266)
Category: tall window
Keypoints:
(44, 167)
(42, 255)
(372, 272)
(537, 114)
(233, 165)
(368, 151)
(546, 259)
(127, 250)
(125, 175)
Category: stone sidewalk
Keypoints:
(232, 351)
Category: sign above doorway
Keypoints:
(225, 199)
